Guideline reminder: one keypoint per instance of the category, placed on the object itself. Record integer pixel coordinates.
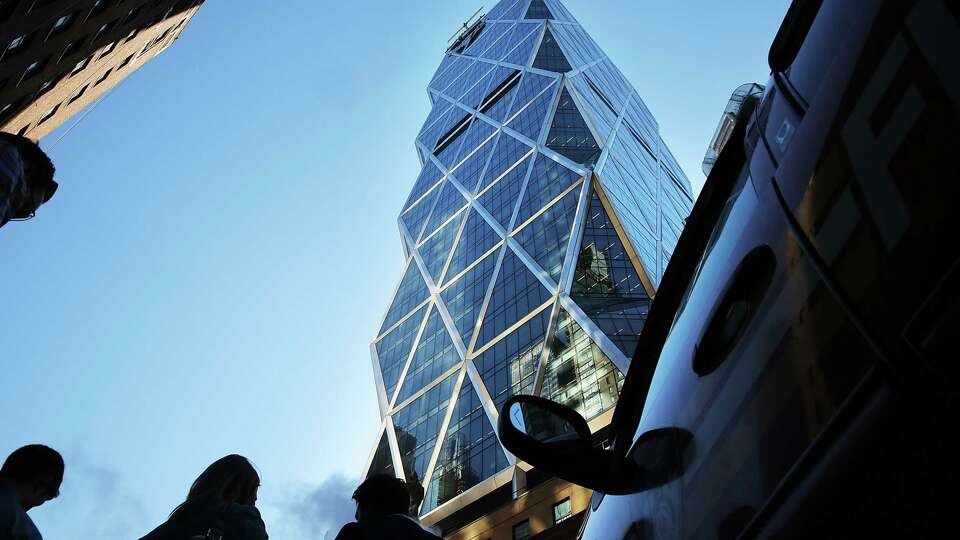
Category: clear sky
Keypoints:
(224, 244)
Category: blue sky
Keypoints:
(224, 243)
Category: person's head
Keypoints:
(230, 479)
(381, 495)
(38, 171)
(36, 471)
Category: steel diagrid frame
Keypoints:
(394, 448)
(459, 83)
(406, 365)
(378, 380)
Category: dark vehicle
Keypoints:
(795, 377)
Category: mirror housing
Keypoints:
(557, 440)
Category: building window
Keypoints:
(80, 66)
(17, 44)
(104, 28)
(521, 531)
(6, 9)
(132, 14)
(562, 510)
(45, 87)
(108, 49)
(126, 61)
(103, 77)
(32, 70)
(49, 114)
(41, 3)
(23, 131)
(10, 108)
(98, 7)
(61, 24)
(71, 49)
(79, 93)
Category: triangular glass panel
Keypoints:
(546, 237)
(520, 55)
(499, 106)
(429, 176)
(434, 355)
(415, 217)
(448, 149)
(436, 249)
(382, 461)
(417, 426)
(501, 198)
(501, 46)
(578, 374)
(449, 202)
(538, 10)
(549, 56)
(468, 173)
(569, 135)
(497, 11)
(439, 109)
(411, 292)
(478, 132)
(548, 179)
(476, 239)
(470, 452)
(473, 96)
(516, 293)
(509, 366)
(394, 349)
(530, 86)
(530, 121)
(464, 297)
(606, 284)
(490, 34)
(515, 11)
(509, 150)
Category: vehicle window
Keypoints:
(820, 47)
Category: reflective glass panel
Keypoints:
(436, 249)
(417, 426)
(382, 462)
(468, 173)
(476, 239)
(449, 202)
(509, 366)
(531, 84)
(429, 176)
(416, 216)
(546, 237)
(464, 297)
(470, 452)
(549, 56)
(548, 179)
(434, 355)
(606, 285)
(501, 198)
(569, 134)
(394, 349)
(478, 132)
(578, 374)
(412, 291)
(538, 10)
(521, 54)
(530, 121)
(508, 151)
(516, 293)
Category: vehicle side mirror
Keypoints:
(557, 440)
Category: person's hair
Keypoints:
(40, 179)
(33, 462)
(382, 495)
(30, 151)
(230, 478)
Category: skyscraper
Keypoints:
(59, 56)
(536, 234)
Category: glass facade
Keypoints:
(536, 233)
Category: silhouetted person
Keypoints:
(382, 505)
(29, 477)
(220, 502)
(26, 177)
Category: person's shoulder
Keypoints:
(350, 531)
(245, 521)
